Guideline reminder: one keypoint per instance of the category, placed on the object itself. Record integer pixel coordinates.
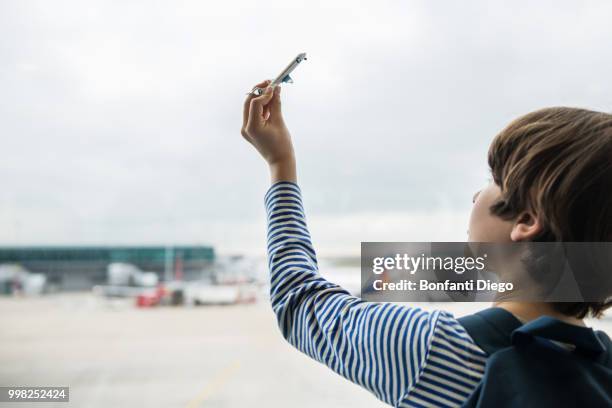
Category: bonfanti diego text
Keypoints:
(447, 286)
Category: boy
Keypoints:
(552, 181)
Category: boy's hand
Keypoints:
(263, 126)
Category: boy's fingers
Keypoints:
(247, 102)
(256, 110)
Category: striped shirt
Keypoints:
(405, 356)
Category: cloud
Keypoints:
(120, 121)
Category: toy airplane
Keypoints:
(283, 76)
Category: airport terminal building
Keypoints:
(82, 267)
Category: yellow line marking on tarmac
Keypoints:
(216, 384)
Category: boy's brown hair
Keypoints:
(558, 163)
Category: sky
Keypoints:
(120, 121)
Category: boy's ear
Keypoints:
(526, 227)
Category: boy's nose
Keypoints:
(476, 194)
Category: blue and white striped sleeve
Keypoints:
(380, 346)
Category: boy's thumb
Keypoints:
(268, 93)
(275, 105)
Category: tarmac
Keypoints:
(112, 354)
